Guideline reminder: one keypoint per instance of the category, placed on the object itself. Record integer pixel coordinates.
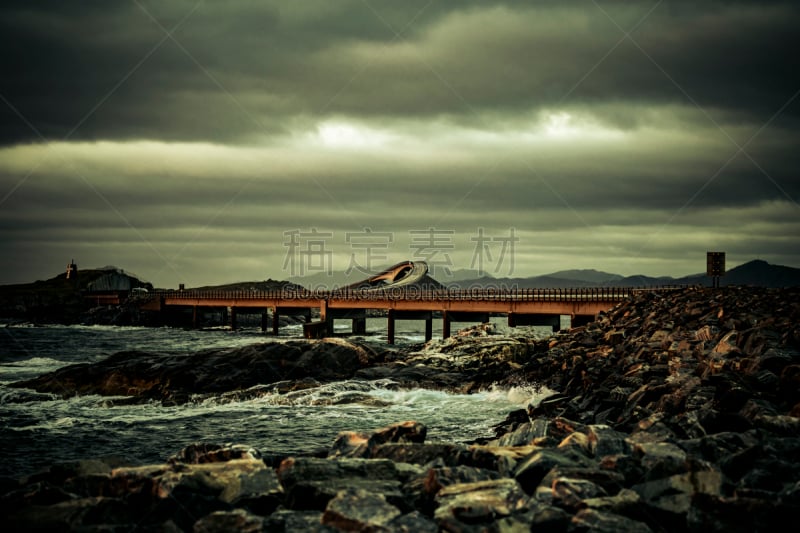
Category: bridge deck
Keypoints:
(529, 306)
(524, 301)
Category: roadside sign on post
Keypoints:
(715, 266)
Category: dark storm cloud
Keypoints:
(239, 69)
(629, 137)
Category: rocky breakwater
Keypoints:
(675, 412)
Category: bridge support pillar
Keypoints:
(194, 317)
(326, 317)
(276, 321)
(315, 330)
(448, 317)
(320, 329)
(390, 327)
(359, 326)
(264, 320)
(233, 321)
(394, 316)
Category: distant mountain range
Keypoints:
(754, 273)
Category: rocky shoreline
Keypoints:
(674, 411)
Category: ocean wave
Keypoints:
(22, 369)
(56, 425)
(16, 396)
(377, 393)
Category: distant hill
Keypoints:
(761, 274)
(589, 275)
(755, 273)
(267, 285)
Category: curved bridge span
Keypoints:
(403, 274)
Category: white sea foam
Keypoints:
(13, 371)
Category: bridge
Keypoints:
(396, 301)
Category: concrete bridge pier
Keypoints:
(323, 327)
(358, 318)
(461, 316)
(394, 315)
(360, 326)
(305, 312)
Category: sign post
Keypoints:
(715, 266)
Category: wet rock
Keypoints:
(568, 492)
(413, 522)
(225, 521)
(532, 470)
(626, 502)
(423, 488)
(593, 520)
(464, 505)
(288, 521)
(310, 483)
(674, 494)
(359, 510)
(420, 454)
(200, 453)
(353, 444)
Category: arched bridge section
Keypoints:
(402, 274)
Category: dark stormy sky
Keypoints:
(209, 142)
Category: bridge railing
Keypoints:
(412, 293)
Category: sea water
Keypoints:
(37, 430)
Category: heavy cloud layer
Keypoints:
(629, 137)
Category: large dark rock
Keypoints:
(173, 378)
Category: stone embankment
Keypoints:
(674, 412)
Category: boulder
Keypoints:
(354, 509)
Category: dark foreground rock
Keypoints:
(592, 479)
(675, 412)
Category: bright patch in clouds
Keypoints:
(350, 135)
(562, 125)
(551, 127)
